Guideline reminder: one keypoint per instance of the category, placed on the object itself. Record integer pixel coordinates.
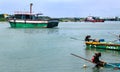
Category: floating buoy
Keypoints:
(84, 66)
(101, 67)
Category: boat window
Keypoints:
(27, 17)
(18, 16)
(33, 17)
(30, 17)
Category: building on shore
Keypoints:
(3, 17)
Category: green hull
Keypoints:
(27, 25)
(32, 25)
(103, 46)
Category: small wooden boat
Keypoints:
(103, 45)
(112, 65)
(106, 65)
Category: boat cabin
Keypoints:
(25, 16)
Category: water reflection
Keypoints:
(36, 30)
(95, 69)
(46, 31)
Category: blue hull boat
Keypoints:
(112, 65)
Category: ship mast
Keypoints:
(31, 4)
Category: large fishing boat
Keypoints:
(29, 20)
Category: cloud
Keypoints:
(63, 7)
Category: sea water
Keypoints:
(49, 49)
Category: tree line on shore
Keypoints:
(3, 17)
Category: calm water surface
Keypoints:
(48, 50)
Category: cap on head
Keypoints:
(99, 54)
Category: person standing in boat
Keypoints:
(88, 38)
(97, 61)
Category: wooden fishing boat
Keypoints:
(103, 45)
(112, 65)
(106, 65)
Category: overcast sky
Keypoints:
(64, 8)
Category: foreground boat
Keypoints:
(103, 45)
(106, 65)
(28, 20)
(112, 65)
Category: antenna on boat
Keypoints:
(31, 4)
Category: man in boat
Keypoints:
(88, 38)
(95, 59)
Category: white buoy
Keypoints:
(84, 66)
